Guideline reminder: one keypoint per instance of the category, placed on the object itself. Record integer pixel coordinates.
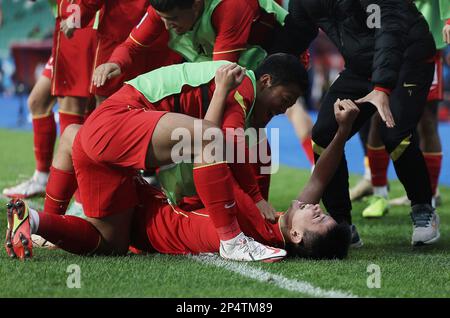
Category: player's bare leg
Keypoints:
(40, 101)
(40, 104)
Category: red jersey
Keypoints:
(233, 32)
(159, 227)
(190, 101)
(73, 58)
(118, 16)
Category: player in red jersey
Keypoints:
(304, 230)
(132, 130)
(72, 64)
(40, 104)
(70, 67)
(117, 20)
(234, 26)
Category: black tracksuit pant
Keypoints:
(407, 102)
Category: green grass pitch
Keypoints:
(405, 272)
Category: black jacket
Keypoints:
(376, 53)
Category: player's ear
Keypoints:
(296, 236)
(266, 80)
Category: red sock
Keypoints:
(44, 129)
(378, 162)
(66, 119)
(60, 188)
(307, 148)
(72, 234)
(215, 189)
(434, 163)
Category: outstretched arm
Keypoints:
(346, 112)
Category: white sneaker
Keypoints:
(404, 201)
(243, 248)
(400, 201)
(362, 189)
(425, 225)
(32, 187)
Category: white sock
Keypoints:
(41, 177)
(34, 220)
(367, 173)
(381, 191)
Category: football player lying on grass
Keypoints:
(134, 130)
(304, 230)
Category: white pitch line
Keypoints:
(266, 277)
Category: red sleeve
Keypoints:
(448, 22)
(141, 39)
(239, 102)
(232, 20)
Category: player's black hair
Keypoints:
(169, 5)
(284, 69)
(333, 245)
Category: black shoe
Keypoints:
(356, 241)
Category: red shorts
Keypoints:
(104, 189)
(107, 152)
(437, 87)
(142, 63)
(48, 69)
(73, 62)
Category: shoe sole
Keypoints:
(273, 259)
(266, 260)
(429, 242)
(375, 216)
(20, 248)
